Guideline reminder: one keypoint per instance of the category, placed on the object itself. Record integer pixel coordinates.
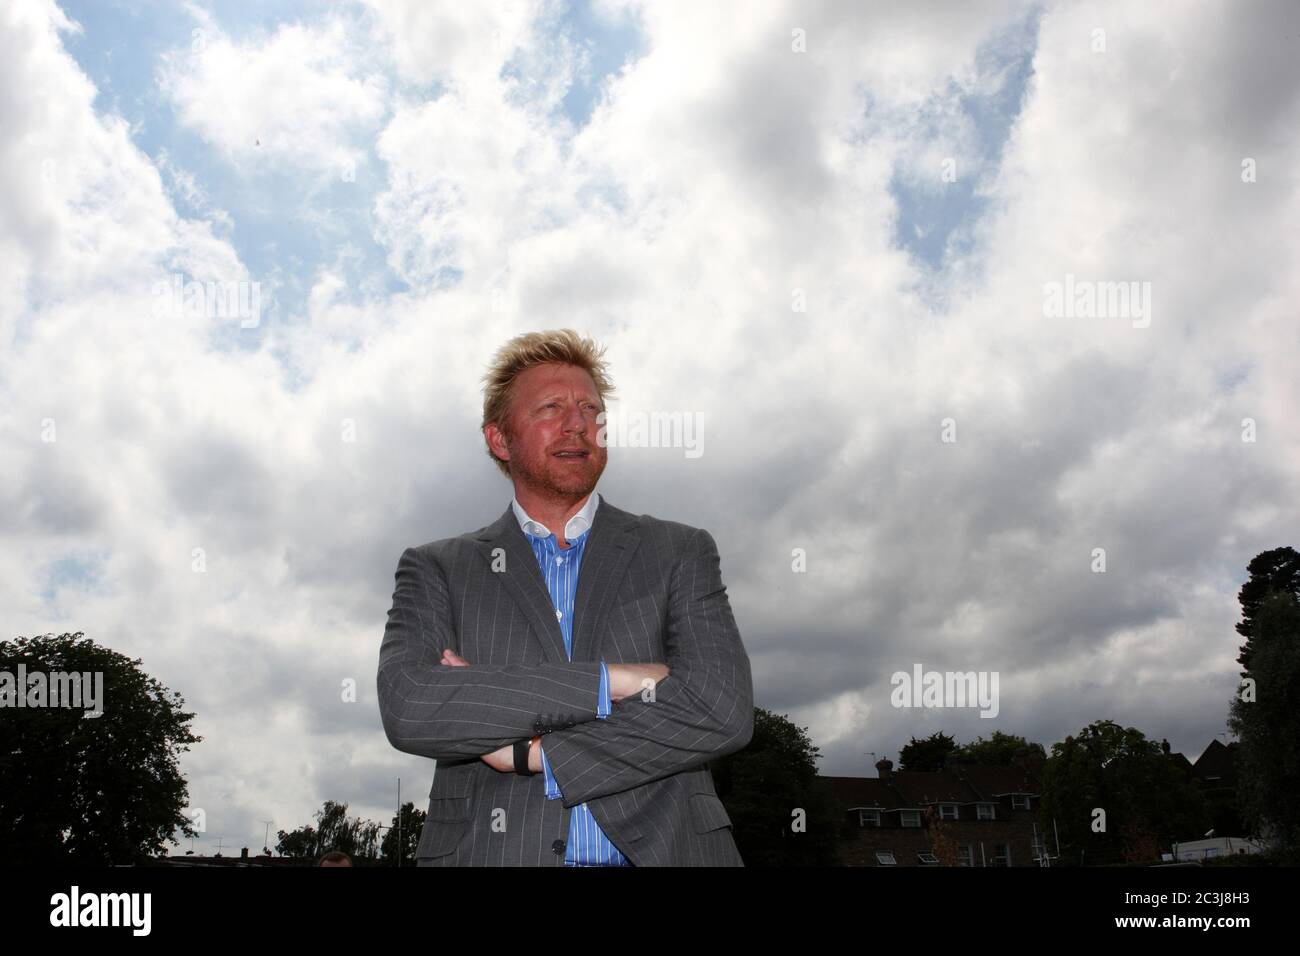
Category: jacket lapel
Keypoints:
(613, 540)
(611, 543)
(523, 579)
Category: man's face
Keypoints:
(554, 412)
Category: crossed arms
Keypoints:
(617, 682)
(700, 711)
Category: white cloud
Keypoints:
(462, 44)
(299, 97)
(720, 173)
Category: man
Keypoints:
(572, 667)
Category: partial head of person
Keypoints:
(543, 395)
(335, 858)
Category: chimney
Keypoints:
(883, 768)
(243, 854)
(1164, 747)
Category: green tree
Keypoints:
(1276, 570)
(300, 844)
(1147, 799)
(95, 790)
(368, 841)
(412, 827)
(334, 830)
(930, 754)
(764, 784)
(1268, 726)
(1000, 750)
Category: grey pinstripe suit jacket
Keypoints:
(648, 591)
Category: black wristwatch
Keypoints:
(521, 757)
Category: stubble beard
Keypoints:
(550, 482)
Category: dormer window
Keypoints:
(947, 811)
(984, 811)
(868, 818)
(909, 818)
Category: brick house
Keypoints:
(966, 815)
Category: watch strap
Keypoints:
(521, 758)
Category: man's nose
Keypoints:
(575, 421)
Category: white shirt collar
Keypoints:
(576, 525)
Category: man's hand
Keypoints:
(503, 759)
(627, 680)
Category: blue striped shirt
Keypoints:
(587, 844)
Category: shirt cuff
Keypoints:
(603, 705)
(552, 785)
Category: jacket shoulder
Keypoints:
(445, 550)
(676, 535)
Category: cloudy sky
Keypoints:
(828, 232)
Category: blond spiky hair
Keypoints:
(523, 352)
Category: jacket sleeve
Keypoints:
(603, 711)
(702, 710)
(444, 712)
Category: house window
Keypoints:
(1002, 854)
(947, 811)
(984, 811)
(886, 859)
(909, 818)
(965, 855)
(1020, 801)
(868, 818)
(928, 859)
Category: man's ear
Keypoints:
(496, 441)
